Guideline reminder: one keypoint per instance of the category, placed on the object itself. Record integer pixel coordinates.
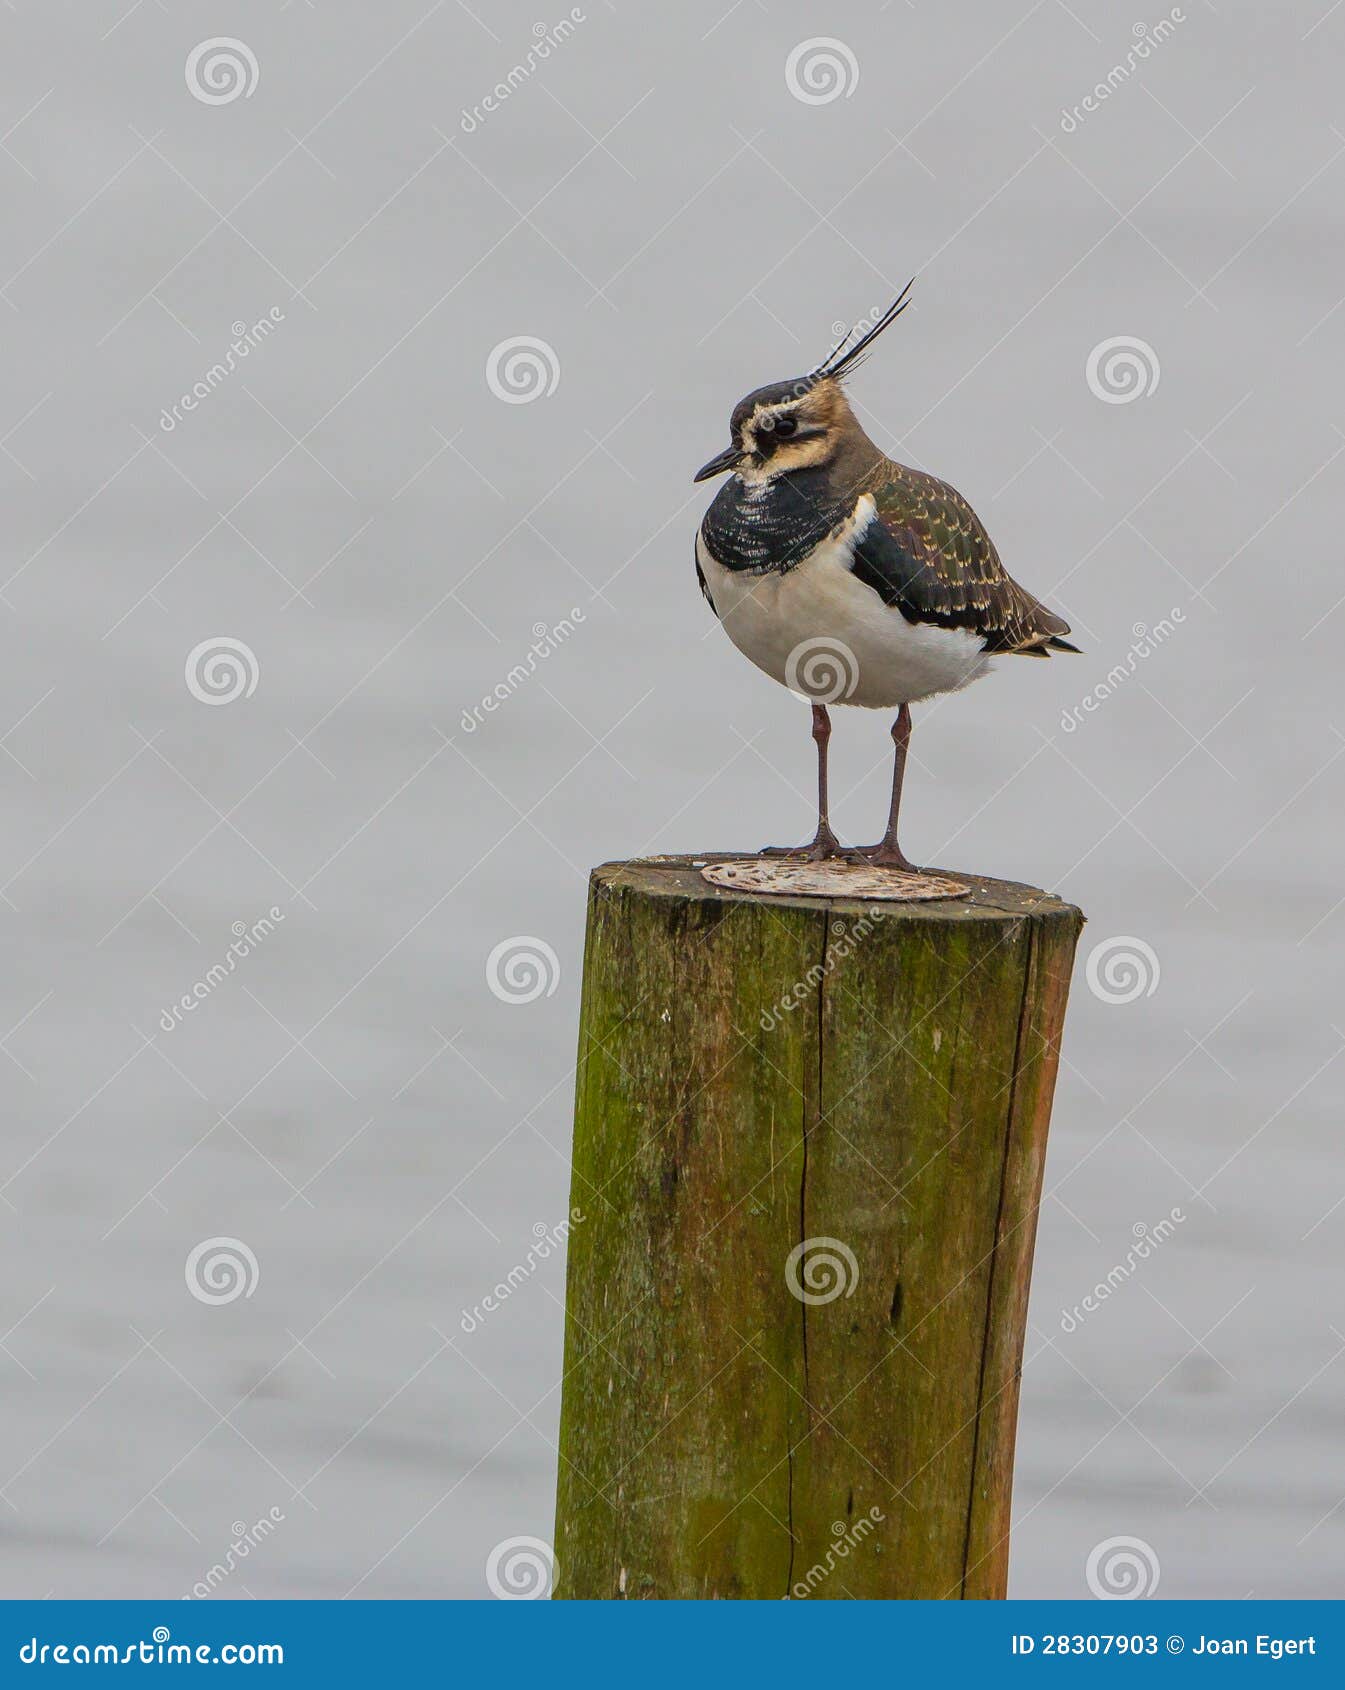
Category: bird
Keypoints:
(851, 578)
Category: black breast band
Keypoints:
(772, 527)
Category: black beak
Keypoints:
(728, 459)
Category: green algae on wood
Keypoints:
(850, 1095)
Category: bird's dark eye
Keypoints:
(784, 427)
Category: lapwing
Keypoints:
(852, 579)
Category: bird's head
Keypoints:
(798, 424)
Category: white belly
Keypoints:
(825, 635)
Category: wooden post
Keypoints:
(808, 1148)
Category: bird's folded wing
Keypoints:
(700, 576)
(927, 555)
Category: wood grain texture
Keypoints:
(758, 1072)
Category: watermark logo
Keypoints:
(546, 39)
(1122, 369)
(245, 339)
(821, 670)
(521, 369)
(222, 70)
(821, 70)
(220, 670)
(221, 1270)
(821, 1269)
(156, 1650)
(245, 1539)
(1147, 1240)
(1147, 38)
(546, 1239)
(522, 969)
(856, 331)
(1122, 968)
(1146, 642)
(245, 940)
(841, 940)
(545, 640)
(521, 1569)
(848, 1538)
(1122, 1569)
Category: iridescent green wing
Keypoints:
(928, 556)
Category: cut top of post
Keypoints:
(680, 878)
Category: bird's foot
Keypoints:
(823, 848)
(885, 854)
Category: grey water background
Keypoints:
(357, 507)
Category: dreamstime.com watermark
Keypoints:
(858, 329)
(841, 940)
(245, 340)
(157, 1650)
(1147, 1240)
(1122, 1569)
(1122, 969)
(221, 1270)
(821, 670)
(521, 1569)
(1148, 37)
(220, 670)
(820, 70)
(245, 1539)
(847, 1538)
(245, 940)
(1121, 369)
(546, 1239)
(819, 1270)
(1145, 643)
(522, 369)
(545, 641)
(522, 969)
(222, 70)
(546, 39)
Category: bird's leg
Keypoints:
(825, 843)
(887, 853)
